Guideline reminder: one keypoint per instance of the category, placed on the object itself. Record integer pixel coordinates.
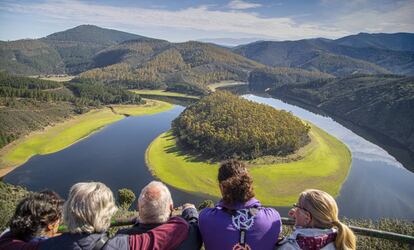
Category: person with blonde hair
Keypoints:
(317, 225)
(88, 212)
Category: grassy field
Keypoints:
(324, 164)
(161, 92)
(55, 78)
(62, 135)
(214, 86)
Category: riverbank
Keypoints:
(213, 87)
(62, 135)
(324, 164)
(160, 92)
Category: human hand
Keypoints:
(188, 205)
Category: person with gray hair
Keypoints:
(155, 203)
(155, 207)
(88, 213)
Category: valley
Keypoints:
(110, 77)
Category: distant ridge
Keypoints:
(395, 41)
(330, 57)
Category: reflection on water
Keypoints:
(114, 156)
(377, 186)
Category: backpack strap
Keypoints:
(99, 244)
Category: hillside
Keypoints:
(28, 104)
(79, 45)
(327, 56)
(379, 103)
(396, 41)
(157, 63)
(267, 78)
(30, 57)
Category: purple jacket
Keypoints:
(218, 229)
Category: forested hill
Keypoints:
(396, 41)
(223, 126)
(30, 57)
(380, 103)
(28, 104)
(79, 45)
(331, 57)
(69, 51)
(156, 64)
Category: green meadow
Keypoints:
(323, 164)
(60, 136)
(214, 86)
(160, 92)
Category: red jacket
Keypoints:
(166, 236)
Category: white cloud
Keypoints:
(241, 5)
(398, 17)
(195, 18)
(196, 22)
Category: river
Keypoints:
(377, 186)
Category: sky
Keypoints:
(231, 20)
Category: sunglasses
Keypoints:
(297, 206)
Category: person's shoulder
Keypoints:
(271, 212)
(130, 230)
(119, 241)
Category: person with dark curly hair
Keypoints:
(36, 218)
(238, 221)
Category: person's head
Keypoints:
(38, 214)
(236, 184)
(318, 209)
(155, 203)
(89, 208)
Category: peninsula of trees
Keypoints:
(223, 125)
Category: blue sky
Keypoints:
(195, 19)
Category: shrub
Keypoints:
(125, 198)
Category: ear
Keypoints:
(308, 219)
(221, 189)
(50, 227)
(171, 207)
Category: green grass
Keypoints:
(62, 135)
(214, 86)
(324, 164)
(161, 92)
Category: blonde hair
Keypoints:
(89, 208)
(324, 212)
(154, 203)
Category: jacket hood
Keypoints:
(236, 206)
(314, 238)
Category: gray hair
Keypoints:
(154, 203)
(89, 208)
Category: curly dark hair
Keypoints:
(34, 213)
(236, 182)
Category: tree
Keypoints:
(125, 198)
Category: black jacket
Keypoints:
(83, 241)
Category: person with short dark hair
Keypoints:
(36, 218)
(238, 221)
